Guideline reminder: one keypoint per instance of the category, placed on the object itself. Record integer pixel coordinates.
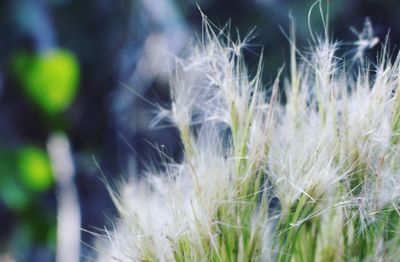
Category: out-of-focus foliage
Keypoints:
(11, 192)
(25, 178)
(25, 172)
(34, 169)
(50, 79)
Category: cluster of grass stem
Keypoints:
(314, 179)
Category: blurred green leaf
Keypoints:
(50, 79)
(11, 192)
(34, 169)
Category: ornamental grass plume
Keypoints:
(316, 178)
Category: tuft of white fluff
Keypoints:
(314, 179)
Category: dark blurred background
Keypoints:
(77, 84)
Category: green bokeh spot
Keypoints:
(34, 169)
(50, 79)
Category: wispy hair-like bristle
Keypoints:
(316, 178)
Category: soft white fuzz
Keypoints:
(324, 165)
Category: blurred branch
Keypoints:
(69, 216)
